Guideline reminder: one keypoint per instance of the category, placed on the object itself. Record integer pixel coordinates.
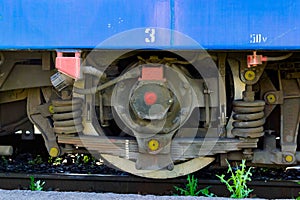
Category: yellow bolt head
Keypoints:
(153, 144)
(53, 152)
(50, 108)
(289, 158)
(271, 98)
(249, 75)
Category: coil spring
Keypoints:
(67, 116)
(250, 118)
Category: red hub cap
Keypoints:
(150, 98)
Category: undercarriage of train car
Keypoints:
(154, 113)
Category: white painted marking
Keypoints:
(150, 35)
(257, 38)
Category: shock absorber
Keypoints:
(249, 116)
(67, 116)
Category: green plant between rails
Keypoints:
(237, 182)
(4, 160)
(36, 161)
(57, 161)
(191, 188)
(36, 185)
(86, 159)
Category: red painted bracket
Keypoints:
(69, 66)
(254, 60)
(152, 73)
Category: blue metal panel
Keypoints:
(214, 24)
(240, 24)
(73, 23)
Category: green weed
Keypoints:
(4, 160)
(86, 159)
(38, 160)
(36, 185)
(237, 183)
(57, 161)
(50, 159)
(191, 188)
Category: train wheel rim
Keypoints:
(181, 169)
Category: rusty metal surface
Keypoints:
(135, 185)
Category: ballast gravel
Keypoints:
(41, 195)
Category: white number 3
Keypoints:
(150, 35)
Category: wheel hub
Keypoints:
(150, 101)
(153, 106)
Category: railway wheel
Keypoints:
(149, 115)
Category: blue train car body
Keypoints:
(215, 24)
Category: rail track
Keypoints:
(137, 185)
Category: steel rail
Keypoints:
(137, 185)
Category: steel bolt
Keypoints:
(271, 98)
(170, 167)
(185, 85)
(153, 144)
(54, 152)
(50, 108)
(249, 75)
(289, 158)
